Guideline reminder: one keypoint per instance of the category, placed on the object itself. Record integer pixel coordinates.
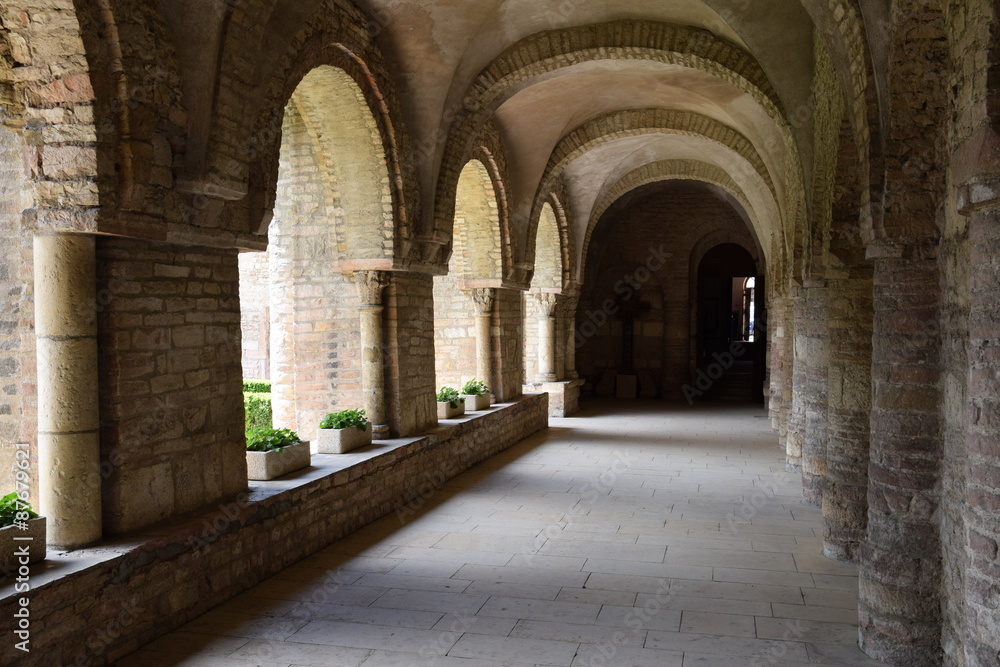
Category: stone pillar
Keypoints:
(900, 559)
(546, 302)
(483, 299)
(980, 201)
(570, 305)
(797, 358)
(370, 285)
(68, 415)
(845, 502)
(814, 446)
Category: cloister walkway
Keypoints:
(633, 533)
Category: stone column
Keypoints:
(814, 445)
(849, 392)
(980, 201)
(900, 559)
(798, 360)
(370, 285)
(482, 298)
(68, 416)
(546, 302)
(570, 305)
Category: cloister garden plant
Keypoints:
(340, 432)
(273, 452)
(449, 403)
(476, 395)
(18, 520)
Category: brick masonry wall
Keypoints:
(678, 218)
(171, 399)
(18, 402)
(255, 314)
(508, 340)
(100, 614)
(454, 334)
(409, 336)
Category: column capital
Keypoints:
(370, 285)
(483, 298)
(546, 302)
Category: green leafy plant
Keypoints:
(450, 396)
(256, 386)
(257, 411)
(10, 505)
(345, 419)
(475, 388)
(270, 439)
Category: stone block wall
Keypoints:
(170, 380)
(409, 340)
(18, 403)
(508, 344)
(98, 615)
(255, 314)
(454, 334)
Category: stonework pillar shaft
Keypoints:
(982, 438)
(68, 416)
(900, 568)
(570, 308)
(483, 299)
(370, 286)
(845, 502)
(814, 445)
(796, 408)
(546, 336)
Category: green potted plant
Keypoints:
(476, 395)
(449, 403)
(273, 452)
(20, 527)
(340, 432)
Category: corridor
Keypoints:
(633, 533)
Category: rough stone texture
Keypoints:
(814, 445)
(409, 353)
(900, 563)
(508, 344)
(175, 574)
(255, 314)
(170, 381)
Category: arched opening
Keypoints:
(728, 342)
(333, 206)
(475, 266)
(546, 282)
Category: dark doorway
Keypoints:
(730, 335)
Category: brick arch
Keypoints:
(841, 26)
(481, 244)
(351, 161)
(550, 51)
(550, 246)
(665, 170)
(332, 35)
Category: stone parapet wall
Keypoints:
(163, 579)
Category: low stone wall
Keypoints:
(121, 596)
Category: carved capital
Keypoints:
(370, 285)
(483, 297)
(546, 302)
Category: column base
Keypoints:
(564, 397)
(380, 431)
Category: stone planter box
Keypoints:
(9, 558)
(445, 411)
(262, 466)
(476, 402)
(342, 440)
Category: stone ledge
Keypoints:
(171, 573)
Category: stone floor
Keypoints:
(633, 533)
